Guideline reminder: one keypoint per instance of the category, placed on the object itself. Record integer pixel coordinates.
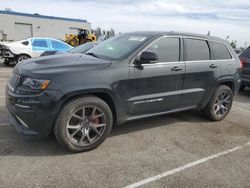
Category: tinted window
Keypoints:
(197, 50)
(220, 51)
(59, 45)
(40, 43)
(246, 53)
(167, 49)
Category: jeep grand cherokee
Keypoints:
(135, 75)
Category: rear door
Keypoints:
(202, 73)
(157, 87)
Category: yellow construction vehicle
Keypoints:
(83, 36)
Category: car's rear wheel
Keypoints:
(83, 124)
(220, 104)
(21, 58)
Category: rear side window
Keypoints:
(220, 51)
(167, 49)
(40, 43)
(246, 53)
(26, 43)
(197, 50)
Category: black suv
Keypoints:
(135, 75)
(245, 73)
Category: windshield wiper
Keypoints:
(92, 54)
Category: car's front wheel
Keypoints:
(220, 104)
(83, 124)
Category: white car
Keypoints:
(15, 52)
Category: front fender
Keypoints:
(97, 89)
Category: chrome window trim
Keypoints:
(197, 38)
(200, 61)
(164, 63)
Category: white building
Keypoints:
(16, 26)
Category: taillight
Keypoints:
(242, 62)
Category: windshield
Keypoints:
(118, 47)
(83, 48)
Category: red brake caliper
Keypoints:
(96, 120)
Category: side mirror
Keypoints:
(147, 57)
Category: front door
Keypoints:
(157, 87)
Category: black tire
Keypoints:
(21, 58)
(242, 88)
(68, 109)
(209, 111)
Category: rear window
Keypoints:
(40, 43)
(246, 53)
(220, 51)
(197, 50)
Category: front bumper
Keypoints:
(21, 127)
(33, 116)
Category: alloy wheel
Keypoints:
(86, 125)
(222, 104)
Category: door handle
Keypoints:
(176, 69)
(213, 66)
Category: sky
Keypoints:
(221, 17)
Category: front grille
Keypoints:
(14, 81)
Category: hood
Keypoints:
(62, 63)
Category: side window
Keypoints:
(40, 43)
(196, 50)
(59, 45)
(167, 49)
(26, 43)
(220, 51)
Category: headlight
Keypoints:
(36, 83)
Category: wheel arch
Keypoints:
(23, 54)
(103, 94)
(230, 83)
